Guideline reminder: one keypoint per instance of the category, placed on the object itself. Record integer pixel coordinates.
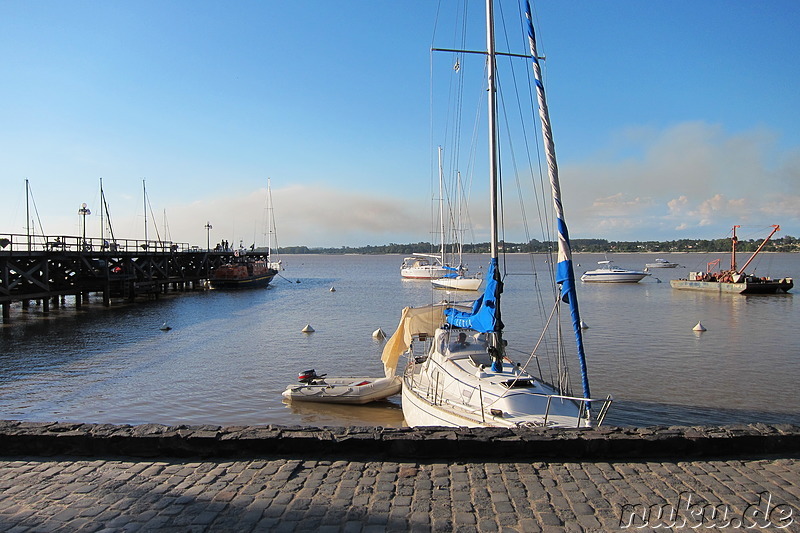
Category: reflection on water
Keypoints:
(230, 354)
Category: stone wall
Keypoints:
(605, 443)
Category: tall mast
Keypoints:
(493, 178)
(734, 242)
(102, 208)
(441, 208)
(27, 213)
(269, 217)
(144, 203)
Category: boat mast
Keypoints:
(102, 201)
(269, 214)
(565, 275)
(144, 203)
(734, 242)
(496, 339)
(441, 210)
(27, 213)
(493, 166)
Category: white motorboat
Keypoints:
(459, 369)
(661, 263)
(347, 390)
(608, 273)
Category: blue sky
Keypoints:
(671, 119)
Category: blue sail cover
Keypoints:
(452, 272)
(485, 315)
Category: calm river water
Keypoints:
(230, 354)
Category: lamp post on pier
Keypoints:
(83, 211)
(208, 235)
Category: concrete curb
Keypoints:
(605, 443)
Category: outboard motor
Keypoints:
(308, 376)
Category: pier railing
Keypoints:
(10, 242)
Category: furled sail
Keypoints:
(565, 275)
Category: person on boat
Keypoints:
(459, 344)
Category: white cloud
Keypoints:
(692, 179)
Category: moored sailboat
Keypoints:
(465, 376)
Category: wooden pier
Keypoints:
(44, 268)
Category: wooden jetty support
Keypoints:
(45, 268)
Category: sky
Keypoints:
(671, 120)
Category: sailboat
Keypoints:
(735, 280)
(274, 263)
(459, 371)
(457, 278)
(429, 266)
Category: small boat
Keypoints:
(608, 273)
(244, 272)
(661, 263)
(429, 266)
(348, 390)
(735, 280)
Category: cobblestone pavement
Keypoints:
(65, 494)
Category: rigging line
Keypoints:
(152, 216)
(523, 211)
(544, 219)
(36, 211)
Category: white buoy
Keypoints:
(165, 327)
(584, 325)
(333, 289)
(308, 329)
(378, 334)
(699, 327)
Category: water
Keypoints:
(230, 354)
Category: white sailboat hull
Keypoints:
(459, 389)
(457, 284)
(429, 272)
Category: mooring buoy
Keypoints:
(308, 329)
(699, 327)
(165, 327)
(378, 334)
(333, 289)
(584, 325)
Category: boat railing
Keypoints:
(71, 243)
(585, 407)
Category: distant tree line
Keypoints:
(783, 244)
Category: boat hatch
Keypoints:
(519, 383)
(481, 360)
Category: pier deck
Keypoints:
(44, 269)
